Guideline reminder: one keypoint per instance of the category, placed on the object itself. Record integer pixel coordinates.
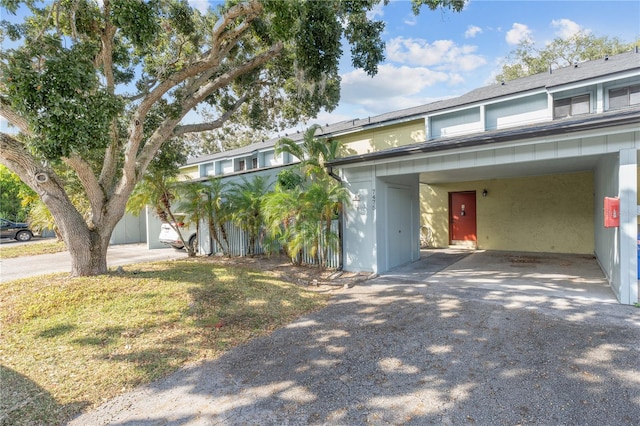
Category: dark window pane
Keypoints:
(618, 98)
(580, 105)
(561, 108)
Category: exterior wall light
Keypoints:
(485, 193)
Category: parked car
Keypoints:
(15, 230)
(170, 237)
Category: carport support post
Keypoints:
(628, 226)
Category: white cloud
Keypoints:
(442, 54)
(377, 12)
(518, 33)
(411, 21)
(392, 88)
(472, 31)
(566, 28)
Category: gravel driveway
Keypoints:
(428, 352)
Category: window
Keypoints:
(624, 97)
(207, 170)
(254, 163)
(571, 106)
(241, 165)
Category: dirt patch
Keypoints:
(280, 266)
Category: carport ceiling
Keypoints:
(505, 171)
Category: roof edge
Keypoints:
(557, 127)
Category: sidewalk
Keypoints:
(29, 266)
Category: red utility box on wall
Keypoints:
(611, 212)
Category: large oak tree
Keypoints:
(99, 86)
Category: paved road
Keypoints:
(29, 266)
(485, 342)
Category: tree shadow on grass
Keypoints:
(23, 402)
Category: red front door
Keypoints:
(462, 217)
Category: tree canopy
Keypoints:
(527, 59)
(101, 85)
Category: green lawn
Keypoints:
(71, 344)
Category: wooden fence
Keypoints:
(239, 246)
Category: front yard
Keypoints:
(71, 344)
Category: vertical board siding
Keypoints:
(239, 246)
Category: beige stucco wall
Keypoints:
(191, 172)
(383, 138)
(553, 214)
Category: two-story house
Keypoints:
(524, 165)
(520, 166)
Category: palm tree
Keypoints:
(313, 152)
(245, 200)
(217, 212)
(41, 219)
(319, 200)
(333, 199)
(159, 191)
(281, 210)
(192, 203)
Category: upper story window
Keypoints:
(254, 163)
(624, 97)
(241, 165)
(207, 169)
(568, 107)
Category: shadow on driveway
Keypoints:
(444, 350)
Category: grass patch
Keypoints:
(8, 251)
(70, 344)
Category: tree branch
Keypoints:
(212, 125)
(166, 129)
(229, 38)
(110, 163)
(250, 10)
(94, 192)
(13, 117)
(45, 182)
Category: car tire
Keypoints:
(177, 247)
(23, 236)
(193, 243)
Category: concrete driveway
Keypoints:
(528, 277)
(118, 255)
(489, 340)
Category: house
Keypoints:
(525, 165)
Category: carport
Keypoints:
(537, 189)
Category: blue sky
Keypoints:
(440, 54)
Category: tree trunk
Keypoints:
(88, 255)
(87, 245)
